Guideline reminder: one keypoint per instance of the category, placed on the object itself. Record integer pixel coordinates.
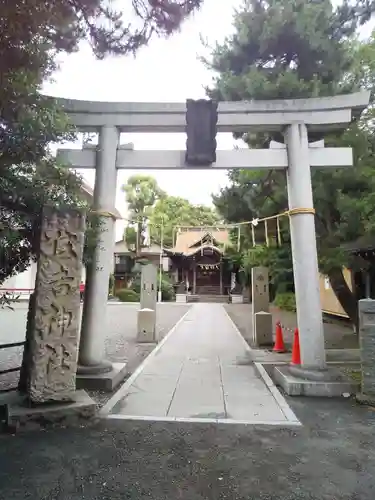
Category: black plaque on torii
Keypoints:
(201, 129)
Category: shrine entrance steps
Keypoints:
(201, 372)
(208, 290)
(207, 298)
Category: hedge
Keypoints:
(286, 301)
(127, 295)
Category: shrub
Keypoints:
(111, 284)
(136, 285)
(127, 295)
(167, 289)
(286, 301)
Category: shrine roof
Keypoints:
(188, 242)
(362, 244)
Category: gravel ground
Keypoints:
(12, 329)
(338, 334)
(120, 344)
(331, 457)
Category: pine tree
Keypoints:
(293, 49)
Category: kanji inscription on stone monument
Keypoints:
(54, 337)
(260, 299)
(149, 276)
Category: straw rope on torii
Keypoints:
(253, 223)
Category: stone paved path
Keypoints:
(201, 372)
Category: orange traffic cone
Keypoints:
(296, 353)
(279, 341)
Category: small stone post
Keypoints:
(146, 326)
(54, 332)
(367, 349)
(147, 314)
(263, 329)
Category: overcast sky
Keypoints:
(167, 70)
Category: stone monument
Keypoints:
(54, 331)
(260, 289)
(146, 331)
(367, 350)
(149, 277)
(47, 387)
(260, 301)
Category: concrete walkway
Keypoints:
(201, 372)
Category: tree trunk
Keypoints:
(344, 295)
(138, 246)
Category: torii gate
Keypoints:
(294, 118)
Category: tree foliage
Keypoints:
(33, 32)
(63, 24)
(290, 49)
(173, 211)
(30, 178)
(141, 194)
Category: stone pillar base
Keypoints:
(107, 381)
(181, 297)
(146, 332)
(299, 381)
(365, 399)
(103, 367)
(237, 299)
(21, 416)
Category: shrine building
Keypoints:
(198, 260)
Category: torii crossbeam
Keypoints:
(126, 158)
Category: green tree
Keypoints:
(290, 49)
(63, 24)
(21, 207)
(141, 194)
(32, 34)
(173, 211)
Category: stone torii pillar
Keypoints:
(304, 250)
(93, 370)
(313, 377)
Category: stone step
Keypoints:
(208, 290)
(207, 298)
